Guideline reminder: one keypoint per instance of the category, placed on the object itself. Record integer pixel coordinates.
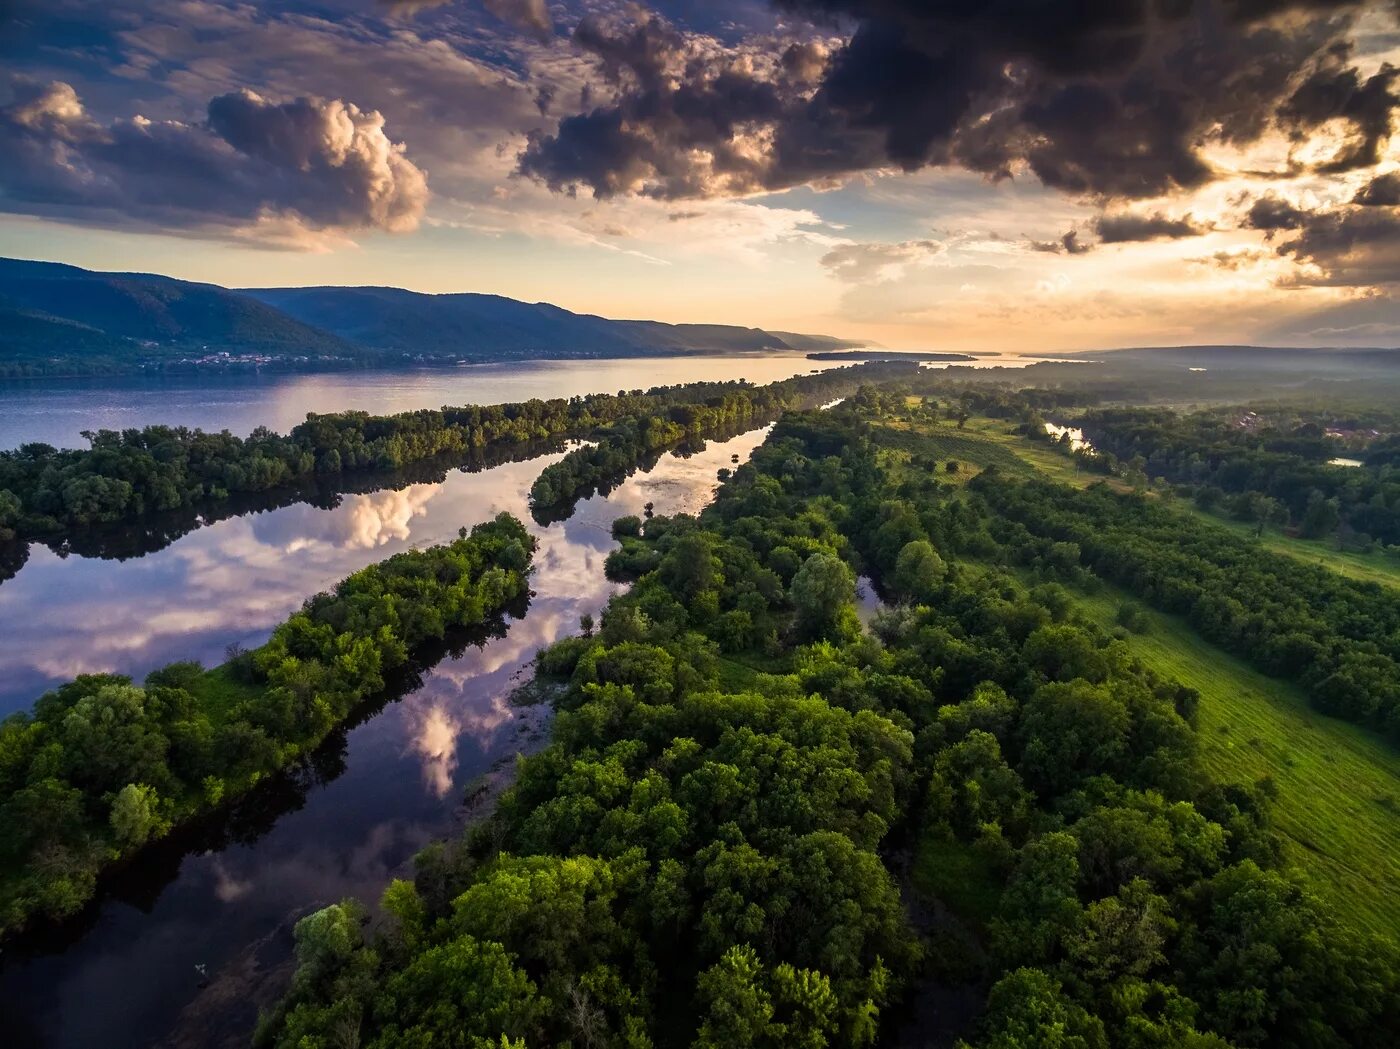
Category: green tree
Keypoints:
(136, 814)
(738, 1008)
(823, 591)
(1322, 516)
(972, 787)
(1040, 907)
(1028, 1010)
(1121, 935)
(325, 941)
(457, 995)
(918, 569)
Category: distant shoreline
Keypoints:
(221, 369)
(888, 355)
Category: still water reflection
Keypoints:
(228, 582)
(226, 897)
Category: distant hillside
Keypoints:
(57, 319)
(492, 327)
(54, 311)
(823, 343)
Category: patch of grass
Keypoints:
(957, 875)
(219, 690)
(738, 671)
(1337, 783)
(735, 676)
(974, 449)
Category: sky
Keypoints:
(1010, 175)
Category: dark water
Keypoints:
(225, 896)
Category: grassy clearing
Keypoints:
(974, 449)
(1338, 807)
(218, 691)
(987, 442)
(957, 875)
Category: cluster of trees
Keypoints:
(1257, 469)
(624, 444)
(703, 853)
(124, 476)
(1339, 637)
(101, 765)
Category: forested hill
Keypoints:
(52, 311)
(469, 325)
(57, 319)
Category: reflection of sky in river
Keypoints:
(129, 979)
(231, 581)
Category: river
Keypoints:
(57, 411)
(226, 896)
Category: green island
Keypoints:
(133, 476)
(102, 766)
(761, 822)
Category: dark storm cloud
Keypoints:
(1114, 98)
(1128, 227)
(530, 15)
(1348, 247)
(1272, 213)
(673, 105)
(1337, 92)
(1344, 245)
(1067, 244)
(1383, 191)
(302, 167)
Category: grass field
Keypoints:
(973, 447)
(218, 691)
(1338, 807)
(957, 875)
(985, 442)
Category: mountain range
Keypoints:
(60, 319)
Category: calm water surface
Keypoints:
(226, 897)
(56, 411)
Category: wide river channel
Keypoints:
(188, 943)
